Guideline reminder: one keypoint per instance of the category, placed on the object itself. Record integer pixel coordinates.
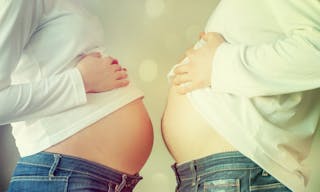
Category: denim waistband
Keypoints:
(75, 164)
(216, 162)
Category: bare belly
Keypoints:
(122, 140)
(187, 134)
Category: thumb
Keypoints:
(93, 54)
(201, 34)
(210, 35)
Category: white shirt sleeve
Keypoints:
(289, 64)
(18, 20)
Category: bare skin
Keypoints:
(121, 140)
(187, 134)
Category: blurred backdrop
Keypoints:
(148, 37)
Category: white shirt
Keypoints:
(265, 96)
(40, 89)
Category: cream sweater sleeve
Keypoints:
(18, 21)
(289, 64)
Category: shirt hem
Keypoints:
(76, 127)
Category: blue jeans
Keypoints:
(225, 172)
(49, 172)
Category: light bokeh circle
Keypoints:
(155, 8)
(148, 70)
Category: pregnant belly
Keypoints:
(187, 134)
(122, 140)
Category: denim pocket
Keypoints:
(38, 184)
(222, 185)
(270, 187)
(274, 187)
(262, 181)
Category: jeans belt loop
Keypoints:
(122, 184)
(53, 168)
